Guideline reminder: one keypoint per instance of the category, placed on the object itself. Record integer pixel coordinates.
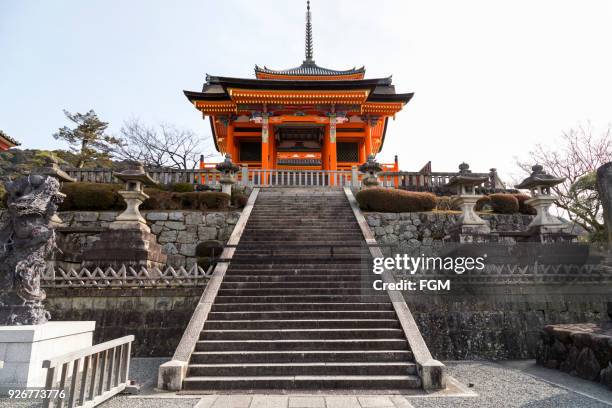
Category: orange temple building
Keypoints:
(303, 118)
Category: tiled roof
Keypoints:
(309, 68)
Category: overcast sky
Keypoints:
(490, 78)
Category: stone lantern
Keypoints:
(128, 240)
(464, 185)
(52, 169)
(539, 183)
(370, 168)
(135, 178)
(228, 174)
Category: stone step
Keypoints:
(292, 278)
(301, 334)
(290, 291)
(270, 307)
(387, 382)
(304, 298)
(300, 356)
(322, 266)
(303, 314)
(301, 324)
(302, 345)
(288, 285)
(318, 368)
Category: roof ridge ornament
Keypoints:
(309, 44)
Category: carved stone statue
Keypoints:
(26, 241)
(604, 188)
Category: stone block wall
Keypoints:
(156, 317)
(178, 232)
(426, 228)
(584, 350)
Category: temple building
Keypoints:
(6, 142)
(302, 118)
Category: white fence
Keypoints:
(88, 377)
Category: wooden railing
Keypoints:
(284, 177)
(88, 377)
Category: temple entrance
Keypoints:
(298, 146)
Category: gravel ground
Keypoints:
(507, 384)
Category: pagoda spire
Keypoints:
(309, 45)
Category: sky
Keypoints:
(491, 78)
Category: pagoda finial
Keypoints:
(308, 34)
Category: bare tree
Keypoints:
(162, 146)
(576, 157)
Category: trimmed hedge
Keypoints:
(182, 188)
(525, 208)
(91, 197)
(483, 204)
(239, 200)
(105, 197)
(392, 200)
(504, 203)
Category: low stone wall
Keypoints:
(178, 232)
(584, 350)
(503, 321)
(425, 228)
(156, 317)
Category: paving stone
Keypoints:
(233, 401)
(375, 402)
(206, 402)
(306, 402)
(269, 401)
(342, 402)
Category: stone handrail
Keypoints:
(172, 373)
(432, 372)
(103, 374)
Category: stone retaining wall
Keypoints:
(156, 317)
(178, 232)
(584, 350)
(425, 228)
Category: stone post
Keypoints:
(370, 169)
(539, 184)
(469, 224)
(228, 174)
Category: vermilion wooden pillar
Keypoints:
(362, 152)
(229, 142)
(333, 156)
(265, 148)
(368, 138)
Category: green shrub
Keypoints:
(504, 203)
(91, 197)
(483, 204)
(446, 203)
(523, 207)
(105, 197)
(239, 200)
(392, 200)
(182, 187)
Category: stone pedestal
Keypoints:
(470, 227)
(130, 247)
(23, 349)
(544, 222)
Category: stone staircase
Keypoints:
(289, 315)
